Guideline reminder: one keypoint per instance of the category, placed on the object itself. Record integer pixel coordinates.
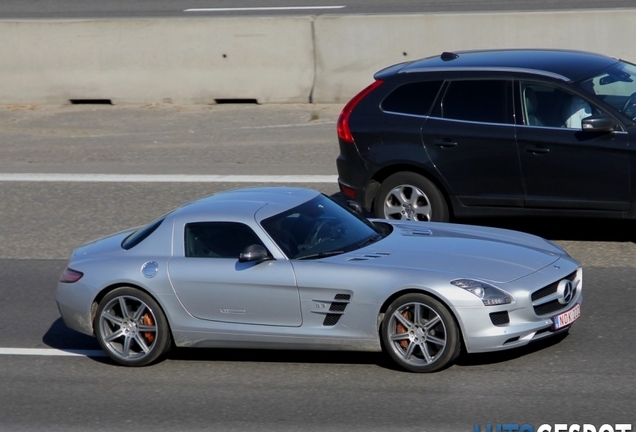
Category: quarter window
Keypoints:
(218, 239)
(477, 100)
(413, 98)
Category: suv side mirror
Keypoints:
(254, 253)
(597, 123)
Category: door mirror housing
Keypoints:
(254, 253)
(597, 123)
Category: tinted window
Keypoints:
(478, 100)
(319, 227)
(413, 98)
(218, 239)
(550, 106)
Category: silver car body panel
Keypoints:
(329, 303)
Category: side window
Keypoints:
(413, 98)
(549, 106)
(477, 100)
(218, 239)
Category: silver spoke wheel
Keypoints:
(420, 334)
(408, 203)
(131, 327)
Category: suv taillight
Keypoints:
(344, 133)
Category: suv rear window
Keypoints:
(477, 100)
(413, 98)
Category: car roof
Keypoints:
(242, 204)
(565, 64)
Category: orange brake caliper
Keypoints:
(147, 319)
(401, 329)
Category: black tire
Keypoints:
(427, 344)
(410, 196)
(131, 327)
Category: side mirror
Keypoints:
(254, 253)
(597, 123)
(355, 206)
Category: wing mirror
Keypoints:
(254, 253)
(597, 123)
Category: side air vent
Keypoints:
(336, 309)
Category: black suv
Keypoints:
(493, 133)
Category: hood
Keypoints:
(488, 254)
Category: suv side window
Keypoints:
(483, 101)
(550, 106)
(218, 239)
(412, 98)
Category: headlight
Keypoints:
(489, 295)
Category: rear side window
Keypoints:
(218, 239)
(477, 100)
(413, 98)
(140, 235)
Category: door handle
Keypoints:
(538, 150)
(444, 143)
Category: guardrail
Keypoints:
(321, 59)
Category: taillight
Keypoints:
(344, 133)
(69, 275)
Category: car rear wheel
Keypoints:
(131, 327)
(410, 196)
(420, 334)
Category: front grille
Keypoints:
(499, 318)
(548, 308)
(552, 305)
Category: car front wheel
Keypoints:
(420, 334)
(410, 196)
(131, 327)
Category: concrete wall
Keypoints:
(325, 59)
(184, 61)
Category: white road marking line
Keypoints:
(152, 178)
(51, 352)
(247, 9)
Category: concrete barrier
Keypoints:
(184, 61)
(350, 49)
(323, 59)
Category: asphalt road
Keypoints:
(586, 377)
(21, 9)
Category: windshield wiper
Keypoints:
(321, 255)
(372, 239)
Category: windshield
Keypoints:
(319, 228)
(616, 86)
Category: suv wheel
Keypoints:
(410, 196)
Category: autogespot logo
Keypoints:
(511, 427)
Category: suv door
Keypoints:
(470, 138)
(566, 167)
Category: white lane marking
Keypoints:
(247, 9)
(152, 178)
(51, 352)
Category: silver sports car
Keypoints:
(289, 268)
